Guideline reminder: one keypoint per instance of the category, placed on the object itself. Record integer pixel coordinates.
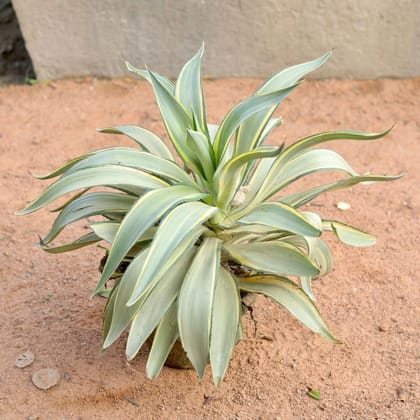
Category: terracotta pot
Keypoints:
(177, 357)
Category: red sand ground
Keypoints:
(370, 301)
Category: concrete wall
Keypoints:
(371, 38)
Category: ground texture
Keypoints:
(370, 301)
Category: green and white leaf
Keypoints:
(175, 227)
(241, 113)
(108, 311)
(109, 175)
(201, 153)
(165, 336)
(85, 240)
(122, 315)
(319, 138)
(251, 131)
(282, 217)
(303, 197)
(274, 257)
(144, 74)
(189, 90)
(146, 139)
(142, 216)
(349, 234)
(195, 309)
(154, 306)
(226, 316)
(176, 119)
(230, 177)
(288, 294)
(92, 204)
(127, 157)
(281, 175)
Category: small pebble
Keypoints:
(24, 360)
(267, 337)
(46, 378)
(343, 206)
(402, 394)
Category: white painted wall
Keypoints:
(371, 38)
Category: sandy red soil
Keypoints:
(370, 301)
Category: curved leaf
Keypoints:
(349, 234)
(96, 203)
(268, 129)
(175, 118)
(122, 315)
(282, 217)
(154, 306)
(230, 177)
(306, 282)
(165, 336)
(213, 129)
(289, 295)
(83, 241)
(176, 227)
(142, 216)
(189, 90)
(108, 310)
(128, 157)
(243, 111)
(105, 230)
(60, 170)
(144, 74)
(224, 324)
(251, 131)
(195, 309)
(290, 75)
(315, 139)
(145, 138)
(256, 180)
(320, 254)
(107, 175)
(272, 257)
(201, 153)
(303, 197)
(281, 175)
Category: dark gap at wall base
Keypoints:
(15, 63)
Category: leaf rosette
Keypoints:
(190, 234)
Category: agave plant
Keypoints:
(191, 234)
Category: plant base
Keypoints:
(177, 357)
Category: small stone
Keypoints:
(24, 360)
(402, 394)
(343, 206)
(253, 360)
(382, 328)
(267, 337)
(409, 204)
(46, 378)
